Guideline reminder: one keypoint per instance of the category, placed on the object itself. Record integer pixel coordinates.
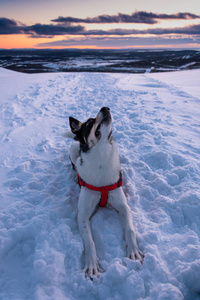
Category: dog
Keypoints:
(95, 157)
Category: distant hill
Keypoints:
(73, 60)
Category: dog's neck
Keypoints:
(100, 165)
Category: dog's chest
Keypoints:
(99, 168)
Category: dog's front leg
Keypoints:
(120, 204)
(86, 206)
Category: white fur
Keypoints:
(100, 166)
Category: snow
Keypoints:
(157, 126)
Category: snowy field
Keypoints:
(157, 126)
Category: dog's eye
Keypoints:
(98, 133)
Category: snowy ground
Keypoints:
(157, 126)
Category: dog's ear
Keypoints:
(75, 125)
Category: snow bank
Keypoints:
(156, 123)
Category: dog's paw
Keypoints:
(91, 271)
(135, 255)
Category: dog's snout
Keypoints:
(104, 116)
(105, 109)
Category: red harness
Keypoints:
(103, 189)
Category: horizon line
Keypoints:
(108, 48)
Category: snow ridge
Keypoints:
(156, 124)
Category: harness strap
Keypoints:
(103, 189)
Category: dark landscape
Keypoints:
(121, 61)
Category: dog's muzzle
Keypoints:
(104, 115)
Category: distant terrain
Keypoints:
(125, 61)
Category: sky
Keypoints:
(146, 24)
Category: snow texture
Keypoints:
(157, 126)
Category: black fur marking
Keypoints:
(97, 132)
(82, 130)
(81, 161)
(83, 133)
(92, 142)
(110, 137)
(74, 124)
(73, 165)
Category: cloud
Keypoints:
(8, 26)
(119, 42)
(52, 30)
(189, 30)
(141, 17)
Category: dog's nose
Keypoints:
(105, 109)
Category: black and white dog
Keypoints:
(95, 157)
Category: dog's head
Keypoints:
(94, 130)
